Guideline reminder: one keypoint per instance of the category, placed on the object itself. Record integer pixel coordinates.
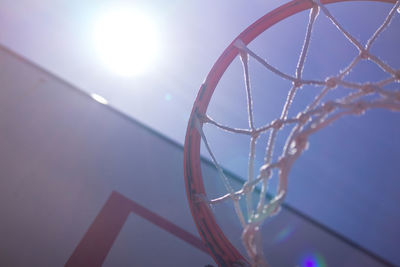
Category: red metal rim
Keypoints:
(220, 248)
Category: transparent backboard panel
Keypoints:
(63, 157)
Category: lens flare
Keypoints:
(284, 234)
(313, 260)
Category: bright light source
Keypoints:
(126, 41)
(99, 99)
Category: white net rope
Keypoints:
(314, 117)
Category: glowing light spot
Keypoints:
(168, 96)
(126, 41)
(313, 260)
(284, 234)
(99, 99)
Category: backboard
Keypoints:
(82, 182)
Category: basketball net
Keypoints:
(316, 116)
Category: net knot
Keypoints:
(364, 54)
(297, 83)
(235, 197)
(328, 106)
(277, 124)
(201, 198)
(303, 118)
(265, 171)
(397, 75)
(203, 117)
(368, 88)
(239, 44)
(359, 108)
(247, 187)
(299, 144)
(255, 134)
(331, 82)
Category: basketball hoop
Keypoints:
(316, 116)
